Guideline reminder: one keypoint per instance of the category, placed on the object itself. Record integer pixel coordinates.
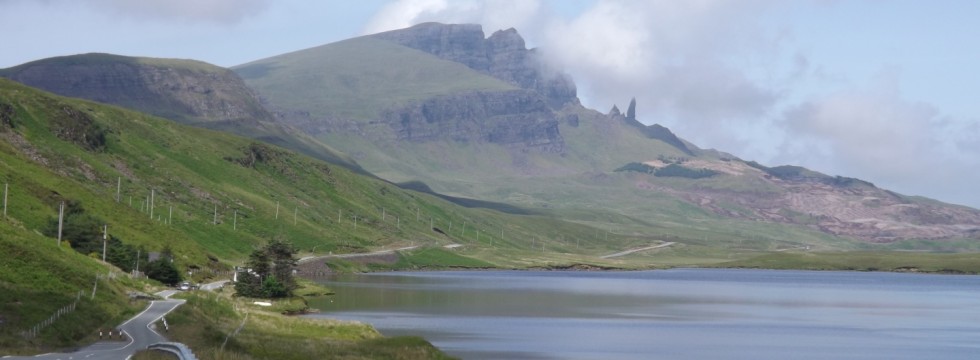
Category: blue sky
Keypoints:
(880, 90)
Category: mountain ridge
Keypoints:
(404, 144)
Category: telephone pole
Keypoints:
(105, 240)
(61, 221)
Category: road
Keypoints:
(139, 335)
(342, 256)
(627, 252)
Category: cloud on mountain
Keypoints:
(492, 14)
(675, 57)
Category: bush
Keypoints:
(164, 271)
(674, 170)
(637, 167)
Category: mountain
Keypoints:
(485, 117)
(186, 91)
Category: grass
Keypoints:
(37, 278)
(207, 320)
(153, 355)
(865, 261)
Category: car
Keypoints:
(184, 286)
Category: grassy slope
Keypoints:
(357, 78)
(37, 278)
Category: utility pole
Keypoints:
(118, 187)
(383, 214)
(152, 195)
(105, 240)
(234, 224)
(170, 217)
(5, 186)
(355, 222)
(277, 210)
(137, 262)
(61, 221)
(430, 223)
(339, 212)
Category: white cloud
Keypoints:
(492, 14)
(208, 11)
(876, 134)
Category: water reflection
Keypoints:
(670, 314)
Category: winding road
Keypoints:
(139, 333)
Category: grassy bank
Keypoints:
(39, 279)
(207, 320)
(966, 263)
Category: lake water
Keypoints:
(670, 314)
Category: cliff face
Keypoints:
(182, 90)
(514, 118)
(503, 55)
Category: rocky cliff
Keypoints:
(513, 118)
(183, 90)
(503, 55)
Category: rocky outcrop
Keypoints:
(181, 90)
(655, 131)
(518, 118)
(503, 55)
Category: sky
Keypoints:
(884, 91)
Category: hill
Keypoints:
(186, 91)
(535, 146)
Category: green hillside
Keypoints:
(37, 278)
(187, 91)
(358, 78)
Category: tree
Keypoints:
(164, 271)
(268, 272)
(84, 232)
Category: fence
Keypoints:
(67, 309)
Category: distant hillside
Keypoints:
(529, 142)
(186, 91)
